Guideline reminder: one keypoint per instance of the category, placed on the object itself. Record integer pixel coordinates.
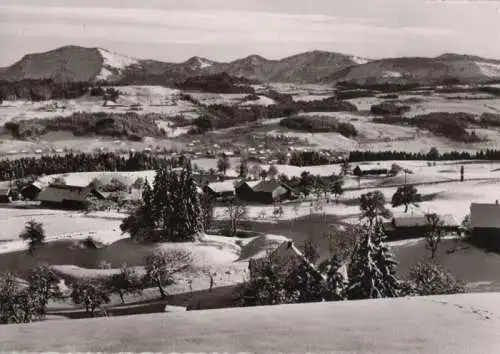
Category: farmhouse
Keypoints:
(485, 224)
(31, 191)
(415, 225)
(264, 192)
(5, 195)
(360, 171)
(221, 190)
(68, 197)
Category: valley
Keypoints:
(213, 168)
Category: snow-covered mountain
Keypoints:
(461, 68)
(73, 63)
(70, 63)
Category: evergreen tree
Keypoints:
(372, 268)
(34, 234)
(335, 283)
(387, 263)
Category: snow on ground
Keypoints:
(307, 98)
(58, 225)
(262, 101)
(115, 60)
(489, 69)
(218, 98)
(452, 324)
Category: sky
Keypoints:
(224, 30)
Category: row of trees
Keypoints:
(24, 301)
(432, 155)
(123, 125)
(32, 167)
(41, 90)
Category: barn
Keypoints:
(415, 225)
(485, 224)
(31, 191)
(221, 191)
(68, 197)
(263, 192)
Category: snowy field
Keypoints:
(453, 324)
(58, 225)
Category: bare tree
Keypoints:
(372, 205)
(223, 164)
(125, 282)
(236, 211)
(89, 294)
(272, 172)
(161, 267)
(433, 234)
(255, 170)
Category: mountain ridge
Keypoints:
(93, 64)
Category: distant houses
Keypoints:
(415, 225)
(68, 197)
(362, 171)
(255, 192)
(485, 224)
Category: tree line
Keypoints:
(32, 167)
(41, 90)
(121, 125)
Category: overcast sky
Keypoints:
(174, 30)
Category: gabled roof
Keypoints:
(35, 184)
(59, 193)
(222, 187)
(485, 215)
(265, 186)
(420, 220)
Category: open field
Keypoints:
(441, 324)
(166, 102)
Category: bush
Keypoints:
(490, 120)
(318, 124)
(432, 279)
(389, 108)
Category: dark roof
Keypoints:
(59, 193)
(202, 179)
(268, 186)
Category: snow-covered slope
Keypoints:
(114, 64)
(453, 324)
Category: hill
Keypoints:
(439, 324)
(425, 71)
(70, 64)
